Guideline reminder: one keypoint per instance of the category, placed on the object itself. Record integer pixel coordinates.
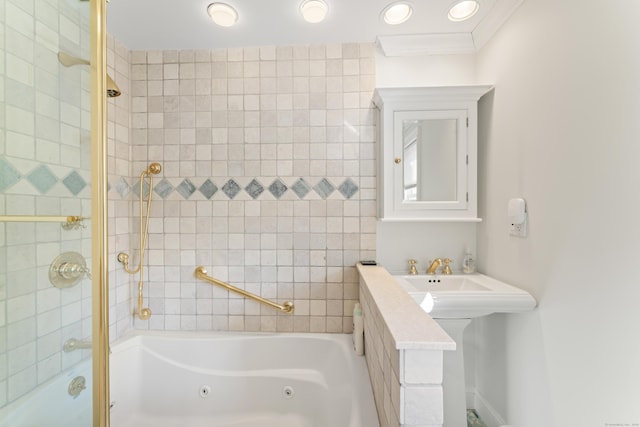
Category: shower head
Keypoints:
(68, 61)
(113, 90)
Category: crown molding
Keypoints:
(500, 13)
(426, 44)
(451, 43)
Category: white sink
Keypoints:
(464, 296)
(454, 300)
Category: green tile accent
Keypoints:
(186, 188)
(254, 189)
(74, 183)
(8, 175)
(208, 189)
(42, 179)
(348, 188)
(324, 188)
(122, 187)
(231, 189)
(136, 188)
(301, 188)
(277, 188)
(163, 188)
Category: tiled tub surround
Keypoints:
(44, 170)
(404, 349)
(120, 194)
(268, 181)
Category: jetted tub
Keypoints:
(50, 405)
(165, 379)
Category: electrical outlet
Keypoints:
(519, 230)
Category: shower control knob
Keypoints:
(67, 269)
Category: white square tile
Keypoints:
(422, 367)
(422, 405)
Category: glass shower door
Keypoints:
(45, 174)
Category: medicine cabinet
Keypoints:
(428, 153)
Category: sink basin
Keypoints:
(441, 283)
(464, 296)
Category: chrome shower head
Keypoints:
(68, 61)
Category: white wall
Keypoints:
(432, 70)
(561, 130)
(398, 242)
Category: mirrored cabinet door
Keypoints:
(428, 149)
(432, 156)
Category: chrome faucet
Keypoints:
(434, 266)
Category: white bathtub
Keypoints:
(239, 380)
(50, 405)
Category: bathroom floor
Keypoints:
(473, 420)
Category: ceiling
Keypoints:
(184, 24)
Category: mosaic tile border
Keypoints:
(34, 178)
(246, 188)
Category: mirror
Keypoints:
(429, 158)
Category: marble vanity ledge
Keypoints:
(409, 325)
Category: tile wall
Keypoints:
(120, 192)
(44, 170)
(268, 181)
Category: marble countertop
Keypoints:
(409, 325)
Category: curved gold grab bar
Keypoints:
(201, 273)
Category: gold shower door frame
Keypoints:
(100, 288)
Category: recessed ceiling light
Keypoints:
(222, 14)
(397, 13)
(314, 11)
(463, 10)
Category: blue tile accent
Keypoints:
(277, 188)
(74, 183)
(145, 188)
(186, 188)
(231, 189)
(301, 188)
(42, 178)
(254, 189)
(8, 175)
(324, 188)
(348, 188)
(122, 188)
(163, 188)
(208, 189)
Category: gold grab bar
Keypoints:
(201, 273)
(71, 221)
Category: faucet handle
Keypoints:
(446, 269)
(412, 267)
